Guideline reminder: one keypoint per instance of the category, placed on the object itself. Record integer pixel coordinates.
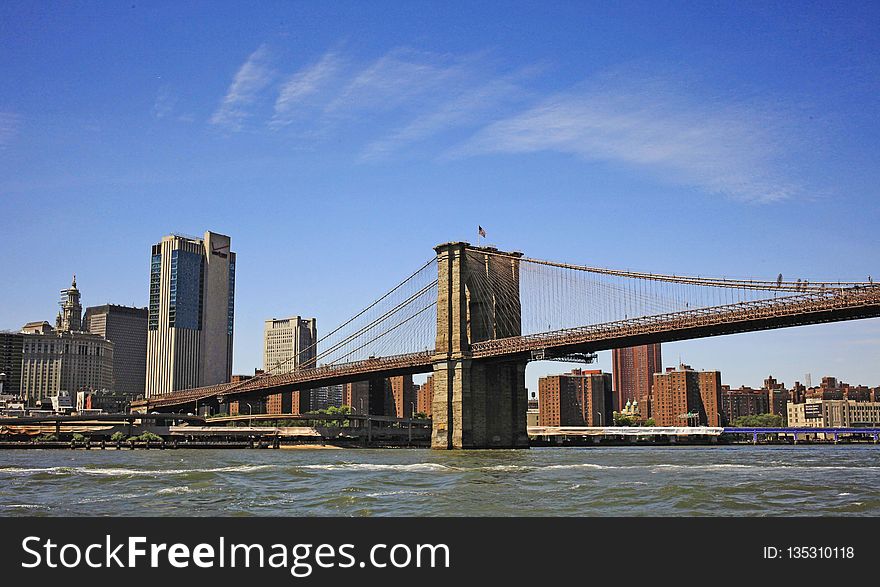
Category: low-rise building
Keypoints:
(744, 401)
(102, 400)
(805, 415)
(532, 417)
(836, 413)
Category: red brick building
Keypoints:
(425, 397)
(399, 398)
(682, 391)
(402, 395)
(633, 369)
(579, 398)
(289, 402)
(744, 401)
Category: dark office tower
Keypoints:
(10, 361)
(357, 396)
(126, 328)
(633, 370)
(325, 397)
(189, 332)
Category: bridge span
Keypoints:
(474, 316)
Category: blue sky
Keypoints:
(337, 144)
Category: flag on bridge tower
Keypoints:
(480, 231)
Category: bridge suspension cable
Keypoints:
(777, 285)
(366, 332)
(544, 296)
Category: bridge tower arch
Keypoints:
(477, 403)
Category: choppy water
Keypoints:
(660, 481)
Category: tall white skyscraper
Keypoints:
(289, 343)
(190, 328)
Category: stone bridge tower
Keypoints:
(477, 403)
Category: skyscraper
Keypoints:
(289, 343)
(126, 328)
(633, 369)
(190, 327)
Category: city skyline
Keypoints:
(361, 130)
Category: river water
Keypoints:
(591, 481)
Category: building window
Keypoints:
(186, 290)
(155, 277)
(230, 308)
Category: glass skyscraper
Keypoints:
(191, 313)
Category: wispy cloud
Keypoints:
(467, 106)
(252, 77)
(9, 125)
(722, 146)
(397, 79)
(402, 97)
(164, 103)
(407, 99)
(303, 84)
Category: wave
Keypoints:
(399, 492)
(176, 490)
(379, 467)
(120, 472)
(512, 468)
(580, 466)
(708, 466)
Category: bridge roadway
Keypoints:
(98, 419)
(814, 307)
(690, 430)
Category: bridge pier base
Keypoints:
(479, 404)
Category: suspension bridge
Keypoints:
(475, 316)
